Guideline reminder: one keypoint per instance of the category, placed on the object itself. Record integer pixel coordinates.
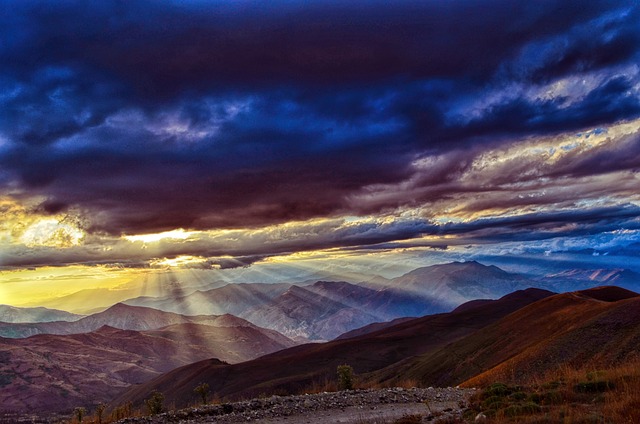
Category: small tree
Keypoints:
(203, 391)
(345, 377)
(99, 412)
(79, 413)
(155, 404)
(122, 411)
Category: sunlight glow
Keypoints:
(178, 234)
(51, 233)
(40, 287)
(177, 262)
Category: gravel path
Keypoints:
(354, 406)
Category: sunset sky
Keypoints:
(369, 137)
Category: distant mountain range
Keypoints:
(121, 316)
(326, 309)
(12, 314)
(577, 279)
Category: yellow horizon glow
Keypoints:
(31, 287)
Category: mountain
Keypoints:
(319, 311)
(326, 309)
(600, 325)
(230, 299)
(120, 316)
(58, 372)
(455, 283)
(383, 302)
(305, 314)
(302, 366)
(14, 314)
(577, 279)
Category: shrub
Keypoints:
(79, 413)
(155, 404)
(202, 390)
(345, 377)
(122, 411)
(99, 412)
(522, 409)
(497, 389)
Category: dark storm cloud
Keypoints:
(159, 48)
(155, 115)
(540, 226)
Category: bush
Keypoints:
(155, 404)
(497, 389)
(99, 412)
(79, 413)
(345, 377)
(203, 391)
(122, 411)
(527, 408)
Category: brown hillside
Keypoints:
(59, 372)
(562, 330)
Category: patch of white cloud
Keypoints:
(51, 233)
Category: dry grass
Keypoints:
(586, 395)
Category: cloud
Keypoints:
(229, 249)
(146, 117)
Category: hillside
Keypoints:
(59, 372)
(601, 324)
(302, 366)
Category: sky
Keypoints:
(372, 136)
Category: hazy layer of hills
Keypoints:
(324, 310)
(53, 360)
(12, 314)
(120, 316)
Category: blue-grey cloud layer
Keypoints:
(159, 115)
